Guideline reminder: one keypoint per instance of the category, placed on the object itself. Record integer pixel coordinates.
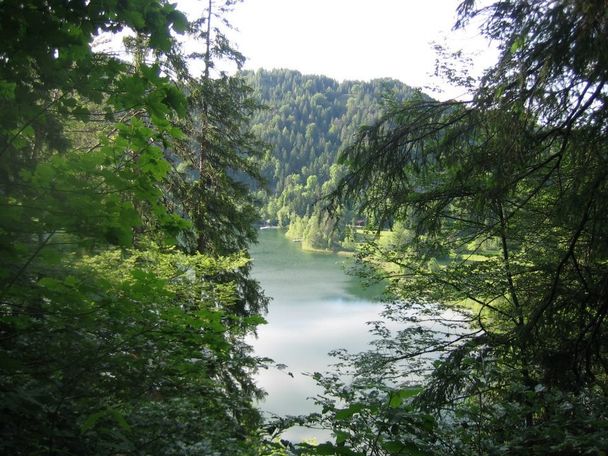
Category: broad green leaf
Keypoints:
(92, 420)
(7, 90)
(397, 397)
(348, 412)
(179, 22)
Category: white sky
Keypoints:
(350, 39)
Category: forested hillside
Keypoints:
(306, 121)
(126, 213)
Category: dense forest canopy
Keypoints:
(308, 118)
(128, 191)
(305, 122)
(505, 199)
(125, 294)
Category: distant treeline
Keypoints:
(306, 121)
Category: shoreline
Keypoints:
(307, 248)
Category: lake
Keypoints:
(316, 307)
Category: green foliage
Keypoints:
(124, 355)
(519, 174)
(377, 420)
(217, 162)
(116, 337)
(305, 123)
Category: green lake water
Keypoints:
(315, 307)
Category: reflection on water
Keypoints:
(315, 308)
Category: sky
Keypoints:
(351, 39)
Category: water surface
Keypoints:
(316, 307)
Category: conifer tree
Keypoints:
(115, 337)
(506, 195)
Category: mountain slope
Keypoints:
(306, 121)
